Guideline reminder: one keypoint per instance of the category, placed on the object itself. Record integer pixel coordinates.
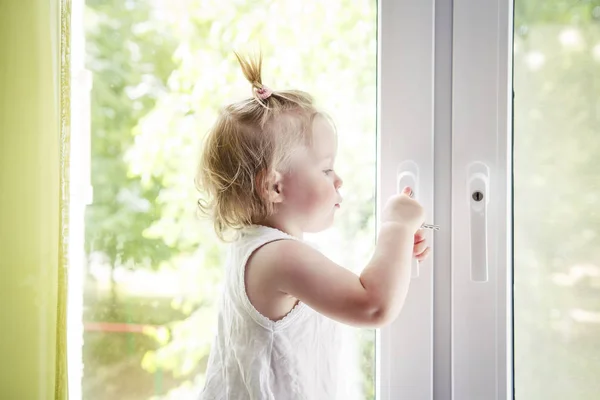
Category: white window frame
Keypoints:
(81, 195)
(405, 145)
(445, 102)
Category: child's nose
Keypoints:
(338, 182)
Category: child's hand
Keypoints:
(420, 249)
(404, 210)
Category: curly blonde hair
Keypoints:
(249, 139)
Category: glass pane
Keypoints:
(557, 199)
(161, 69)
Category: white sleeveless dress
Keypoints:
(254, 358)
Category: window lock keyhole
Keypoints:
(477, 195)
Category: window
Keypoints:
(547, 162)
(557, 198)
(503, 158)
(151, 272)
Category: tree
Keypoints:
(130, 58)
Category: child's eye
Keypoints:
(327, 171)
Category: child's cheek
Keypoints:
(311, 192)
(324, 194)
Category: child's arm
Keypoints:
(373, 299)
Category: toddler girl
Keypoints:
(267, 169)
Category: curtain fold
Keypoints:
(61, 377)
(34, 194)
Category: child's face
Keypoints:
(311, 188)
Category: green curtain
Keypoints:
(34, 192)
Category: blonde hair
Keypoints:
(250, 139)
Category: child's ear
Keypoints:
(270, 185)
(276, 192)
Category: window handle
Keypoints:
(478, 199)
(408, 175)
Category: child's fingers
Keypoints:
(408, 191)
(420, 236)
(424, 254)
(419, 247)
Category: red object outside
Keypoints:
(115, 327)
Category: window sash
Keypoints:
(445, 78)
(405, 145)
(482, 133)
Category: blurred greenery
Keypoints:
(131, 63)
(557, 199)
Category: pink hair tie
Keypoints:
(264, 92)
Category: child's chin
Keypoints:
(323, 226)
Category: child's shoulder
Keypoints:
(282, 260)
(269, 245)
(258, 236)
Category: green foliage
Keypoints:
(130, 58)
(556, 124)
(529, 13)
